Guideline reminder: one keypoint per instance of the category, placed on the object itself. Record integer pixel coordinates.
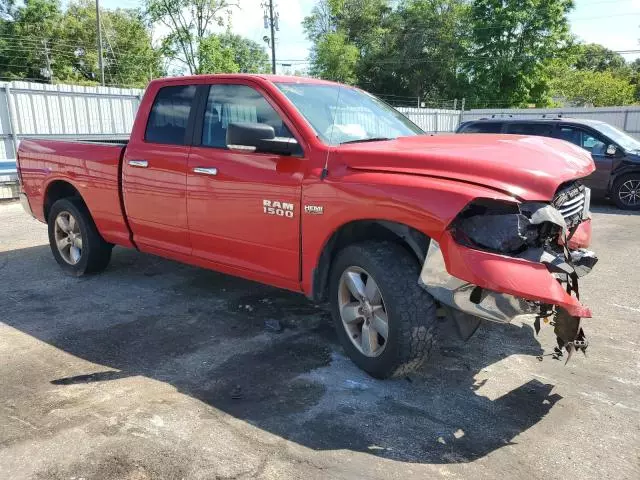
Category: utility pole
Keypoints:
(100, 60)
(49, 73)
(271, 22)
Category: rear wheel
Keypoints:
(385, 321)
(626, 192)
(74, 239)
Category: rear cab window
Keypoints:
(482, 127)
(169, 116)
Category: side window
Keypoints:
(237, 103)
(588, 141)
(169, 115)
(537, 129)
(489, 127)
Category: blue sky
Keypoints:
(612, 23)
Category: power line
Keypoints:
(481, 59)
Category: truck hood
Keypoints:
(529, 168)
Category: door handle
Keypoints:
(206, 171)
(139, 163)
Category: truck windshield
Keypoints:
(341, 114)
(627, 142)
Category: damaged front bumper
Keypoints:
(474, 283)
(504, 287)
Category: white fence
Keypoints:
(59, 111)
(433, 120)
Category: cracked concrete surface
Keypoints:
(159, 370)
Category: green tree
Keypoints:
(593, 88)
(597, 58)
(512, 40)
(27, 30)
(344, 33)
(42, 42)
(334, 58)
(635, 77)
(423, 51)
(188, 22)
(229, 53)
(129, 56)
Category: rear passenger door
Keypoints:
(154, 174)
(596, 145)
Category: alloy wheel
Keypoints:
(629, 193)
(363, 312)
(68, 238)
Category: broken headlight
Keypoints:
(506, 227)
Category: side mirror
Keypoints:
(258, 137)
(611, 150)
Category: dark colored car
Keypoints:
(615, 153)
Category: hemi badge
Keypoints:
(314, 209)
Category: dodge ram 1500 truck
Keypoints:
(323, 189)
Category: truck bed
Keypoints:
(92, 166)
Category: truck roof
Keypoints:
(244, 76)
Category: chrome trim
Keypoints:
(456, 293)
(580, 203)
(24, 201)
(573, 210)
(586, 212)
(139, 163)
(242, 148)
(206, 171)
(578, 199)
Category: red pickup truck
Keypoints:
(323, 189)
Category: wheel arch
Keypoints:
(355, 231)
(622, 171)
(56, 190)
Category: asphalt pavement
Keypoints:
(155, 370)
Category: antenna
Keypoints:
(325, 170)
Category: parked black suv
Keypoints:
(615, 153)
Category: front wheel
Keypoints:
(385, 321)
(74, 239)
(626, 192)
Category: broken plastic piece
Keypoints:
(569, 333)
(583, 261)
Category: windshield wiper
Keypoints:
(370, 139)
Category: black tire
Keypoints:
(411, 311)
(616, 191)
(95, 254)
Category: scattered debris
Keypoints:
(273, 326)
(236, 393)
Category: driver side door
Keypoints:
(244, 206)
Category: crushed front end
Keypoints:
(499, 260)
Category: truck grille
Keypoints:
(573, 202)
